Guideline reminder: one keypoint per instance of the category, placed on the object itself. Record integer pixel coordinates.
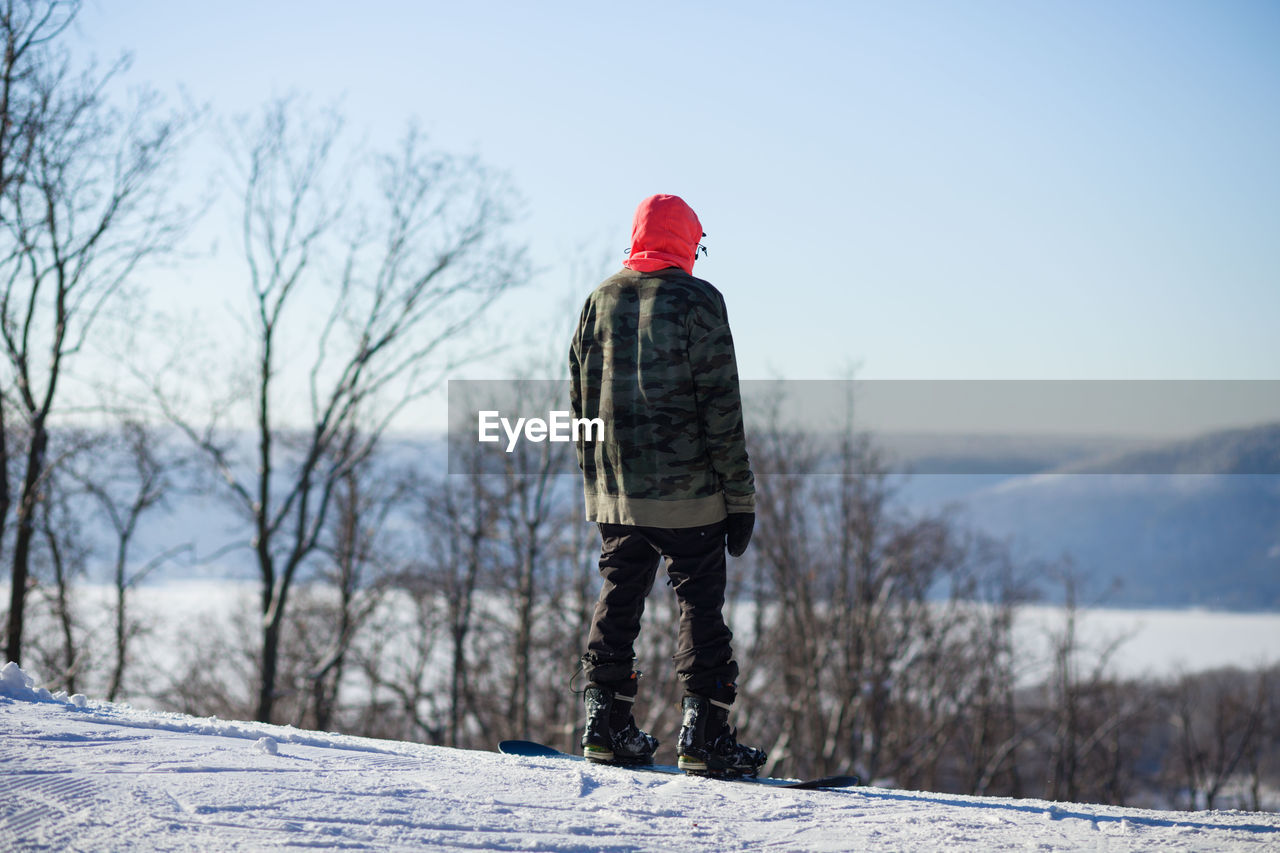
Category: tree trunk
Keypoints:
(121, 623)
(270, 661)
(6, 499)
(19, 578)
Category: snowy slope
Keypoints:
(82, 775)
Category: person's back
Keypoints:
(653, 359)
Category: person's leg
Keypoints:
(696, 568)
(628, 564)
(704, 656)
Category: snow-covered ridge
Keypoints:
(86, 775)
(16, 684)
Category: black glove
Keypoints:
(740, 525)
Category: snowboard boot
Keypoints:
(708, 747)
(611, 735)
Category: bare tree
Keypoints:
(461, 515)
(413, 273)
(533, 501)
(359, 561)
(126, 480)
(1263, 759)
(27, 28)
(844, 615)
(66, 552)
(119, 478)
(1219, 723)
(1085, 711)
(83, 203)
(988, 735)
(433, 613)
(494, 542)
(398, 661)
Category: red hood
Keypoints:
(664, 233)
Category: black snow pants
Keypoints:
(629, 558)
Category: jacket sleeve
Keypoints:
(715, 377)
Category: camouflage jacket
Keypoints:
(653, 358)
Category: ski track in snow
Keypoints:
(83, 775)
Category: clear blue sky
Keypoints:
(928, 190)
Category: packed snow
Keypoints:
(77, 774)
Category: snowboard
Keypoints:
(533, 749)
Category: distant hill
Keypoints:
(1184, 523)
(1190, 523)
(1247, 451)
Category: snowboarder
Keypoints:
(653, 358)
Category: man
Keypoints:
(653, 358)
